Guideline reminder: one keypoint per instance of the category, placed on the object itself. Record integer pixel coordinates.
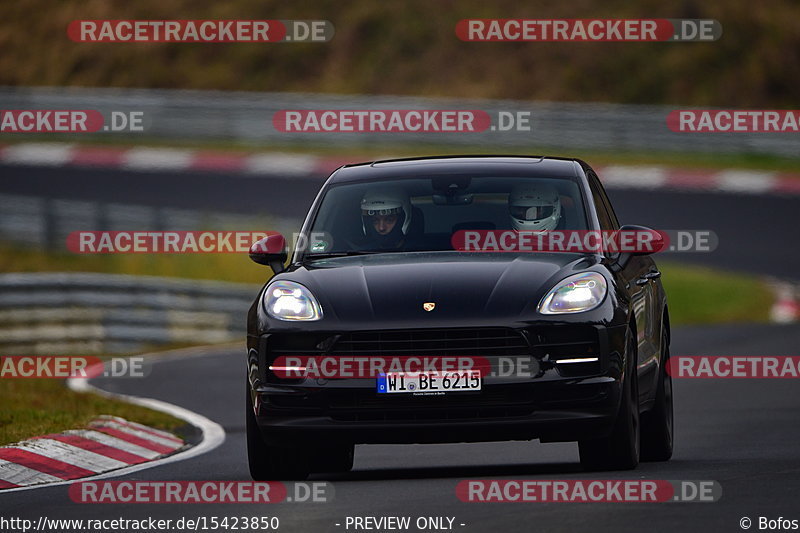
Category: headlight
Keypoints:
(574, 294)
(287, 300)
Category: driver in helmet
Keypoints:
(534, 207)
(386, 217)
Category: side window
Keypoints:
(611, 214)
(606, 222)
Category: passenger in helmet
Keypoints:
(386, 217)
(534, 207)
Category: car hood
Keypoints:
(465, 289)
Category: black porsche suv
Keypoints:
(562, 344)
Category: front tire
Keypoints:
(620, 450)
(294, 462)
(268, 463)
(658, 423)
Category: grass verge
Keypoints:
(235, 267)
(34, 407)
(700, 295)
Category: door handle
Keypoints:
(654, 274)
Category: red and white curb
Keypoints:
(726, 181)
(294, 166)
(109, 444)
(109, 447)
(786, 308)
(147, 159)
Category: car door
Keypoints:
(640, 290)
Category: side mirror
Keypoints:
(640, 240)
(271, 250)
(633, 240)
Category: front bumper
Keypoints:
(560, 403)
(575, 410)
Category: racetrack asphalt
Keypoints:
(742, 433)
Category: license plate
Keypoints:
(429, 382)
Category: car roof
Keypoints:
(505, 165)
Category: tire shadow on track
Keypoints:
(456, 472)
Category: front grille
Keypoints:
(476, 342)
(548, 344)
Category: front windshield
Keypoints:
(423, 214)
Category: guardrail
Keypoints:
(46, 222)
(80, 313)
(247, 117)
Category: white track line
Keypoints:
(213, 434)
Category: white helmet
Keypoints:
(387, 202)
(534, 207)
